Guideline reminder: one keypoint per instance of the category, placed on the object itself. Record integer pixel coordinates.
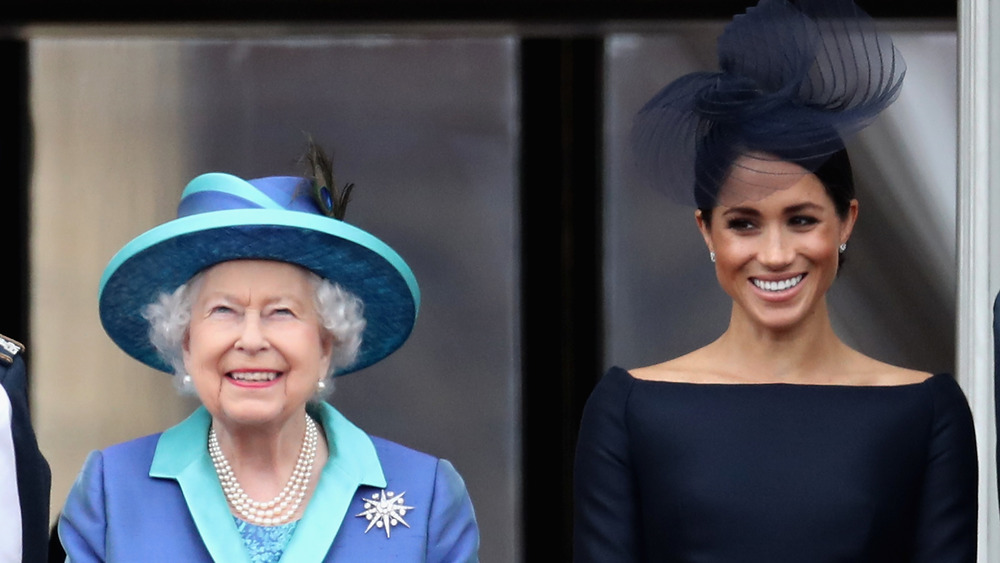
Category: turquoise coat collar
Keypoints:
(182, 455)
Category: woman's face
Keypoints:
(254, 349)
(776, 256)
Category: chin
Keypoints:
(254, 415)
(780, 320)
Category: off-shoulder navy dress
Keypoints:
(776, 473)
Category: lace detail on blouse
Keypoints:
(266, 544)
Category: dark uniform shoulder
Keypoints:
(9, 349)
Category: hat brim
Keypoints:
(167, 256)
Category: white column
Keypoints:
(978, 279)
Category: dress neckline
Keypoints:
(779, 384)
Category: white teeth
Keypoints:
(778, 285)
(253, 375)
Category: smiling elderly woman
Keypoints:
(253, 298)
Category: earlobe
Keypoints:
(704, 229)
(328, 342)
(186, 347)
(849, 221)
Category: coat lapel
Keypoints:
(353, 462)
(182, 455)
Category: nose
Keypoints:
(251, 338)
(776, 251)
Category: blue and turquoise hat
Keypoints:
(222, 217)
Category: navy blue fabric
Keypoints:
(775, 473)
(794, 81)
(34, 478)
(996, 370)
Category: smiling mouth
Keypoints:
(779, 285)
(253, 376)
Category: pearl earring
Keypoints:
(843, 248)
(320, 386)
(711, 256)
(186, 381)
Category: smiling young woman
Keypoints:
(777, 257)
(777, 441)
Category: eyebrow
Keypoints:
(790, 210)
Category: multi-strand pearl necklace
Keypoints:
(281, 508)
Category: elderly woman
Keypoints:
(776, 442)
(255, 297)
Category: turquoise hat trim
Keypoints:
(241, 217)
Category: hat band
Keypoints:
(217, 191)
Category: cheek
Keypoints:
(830, 253)
(825, 247)
(304, 348)
(732, 252)
(202, 350)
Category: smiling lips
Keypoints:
(776, 286)
(253, 378)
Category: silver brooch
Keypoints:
(385, 510)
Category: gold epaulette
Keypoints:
(9, 348)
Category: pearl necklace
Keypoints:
(281, 508)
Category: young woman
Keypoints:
(777, 441)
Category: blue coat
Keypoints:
(158, 498)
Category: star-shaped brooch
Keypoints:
(385, 510)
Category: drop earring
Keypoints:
(711, 256)
(843, 248)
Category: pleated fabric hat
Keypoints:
(222, 217)
(795, 80)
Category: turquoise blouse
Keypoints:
(266, 544)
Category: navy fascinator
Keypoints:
(795, 80)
